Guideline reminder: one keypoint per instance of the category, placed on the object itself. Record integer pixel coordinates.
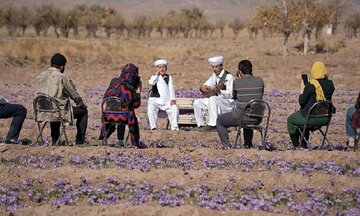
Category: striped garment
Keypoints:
(123, 87)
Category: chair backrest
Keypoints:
(256, 108)
(45, 104)
(323, 108)
(114, 105)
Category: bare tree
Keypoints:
(236, 25)
(253, 26)
(45, 16)
(352, 24)
(10, 18)
(335, 9)
(25, 17)
(172, 23)
(77, 14)
(159, 25)
(221, 24)
(92, 19)
(282, 16)
(109, 21)
(191, 19)
(139, 25)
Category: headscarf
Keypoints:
(318, 71)
(129, 73)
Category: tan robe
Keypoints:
(59, 86)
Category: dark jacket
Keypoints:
(245, 89)
(308, 97)
(355, 120)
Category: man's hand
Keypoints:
(302, 86)
(204, 88)
(216, 90)
(80, 103)
(173, 102)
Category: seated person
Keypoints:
(162, 96)
(127, 87)
(353, 121)
(218, 92)
(317, 89)
(18, 113)
(54, 83)
(246, 88)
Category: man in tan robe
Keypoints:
(54, 83)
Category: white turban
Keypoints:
(160, 62)
(216, 60)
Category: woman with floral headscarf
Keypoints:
(317, 89)
(127, 87)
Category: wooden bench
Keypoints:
(186, 111)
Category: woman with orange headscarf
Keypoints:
(317, 89)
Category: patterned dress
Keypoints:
(124, 87)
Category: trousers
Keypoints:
(18, 113)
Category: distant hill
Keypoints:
(213, 9)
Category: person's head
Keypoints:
(319, 71)
(58, 61)
(217, 64)
(130, 74)
(161, 66)
(244, 68)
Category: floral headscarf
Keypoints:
(129, 73)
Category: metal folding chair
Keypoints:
(255, 109)
(320, 109)
(357, 139)
(113, 106)
(46, 104)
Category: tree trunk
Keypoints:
(285, 45)
(306, 42)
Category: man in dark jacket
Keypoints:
(18, 113)
(247, 88)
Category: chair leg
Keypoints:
(303, 139)
(127, 139)
(238, 136)
(41, 129)
(106, 135)
(167, 124)
(357, 139)
(325, 138)
(64, 131)
(262, 138)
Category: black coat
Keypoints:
(308, 97)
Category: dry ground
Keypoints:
(93, 62)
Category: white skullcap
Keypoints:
(216, 60)
(160, 62)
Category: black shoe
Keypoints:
(61, 143)
(295, 140)
(81, 143)
(142, 146)
(248, 146)
(207, 129)
(20, 142)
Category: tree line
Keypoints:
(280, 16)
(305, 16)
(187, 22)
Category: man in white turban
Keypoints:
(162, 96)
(218, 92)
